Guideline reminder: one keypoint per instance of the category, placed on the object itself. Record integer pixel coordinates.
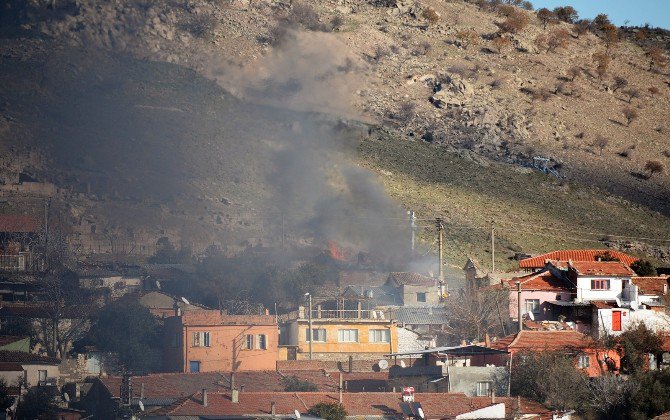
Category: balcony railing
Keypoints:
(22, 261)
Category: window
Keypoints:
(41, 377)
(380, 336)
(201, 339)
(584, 361)
(348, 336)
(421, 297)
(483, 389)
(318, 335)
(533, 305)
(261, 342)
(600, 284)
(194, 366)
(249, 344)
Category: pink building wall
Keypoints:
(542, 295)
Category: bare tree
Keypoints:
(574, 72)
(602, 60)
(619, 83)
(476, 312)
(609, 394)
(601, 143)
(653, 167)
(631, 93)
(630, 115)
(546, 16)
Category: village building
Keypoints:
(163, 305)
(209, 340)
(36, 370)
(19, 237)
(538, 262)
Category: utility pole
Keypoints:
(310, 332)
(412, 218)
(440, 228)
(47, 204)
(493, 246)
(518, 299)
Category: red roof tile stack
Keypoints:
(574, 255)
(543, 340)
(540, 281)
(657, 286)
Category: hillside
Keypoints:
(185, 119)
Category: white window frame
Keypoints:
(249, 342)
(483, 388)
(345, 336)
(42, 377)
(606, 282)
(261, 342)
(584, 361)
(318, 334)
(201, 339)
(530, 304)
(380, 336)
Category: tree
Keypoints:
(475, 312)
(637, 343)
(651, 396)
(500, 43)
(328, 411)
(129, 329)
(602, 60)
(610, 36)
(566, 14)
(656, 57)
(38, 403)
(619, 82)
(6, 400)
(514, 23)
(550, 378)
(601, 143)
(526, 5)
(582, 26)
(643, 268)
(295, 384)
(545, 16)
(600, 21)
(653, 167)
(610, 395)
(558, 38)
(630, 114)
(631, 93)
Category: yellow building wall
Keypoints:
(332, 333)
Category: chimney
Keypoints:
(273, 408)
(204, 397)
(340, 387)
(351, 363)
(267, 311)
(234, 396)
(142, 391)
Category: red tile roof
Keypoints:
(10, 367)
(604, 304)
(596, 268)
(27, 358)
(543, 340)
(18, 224)
(435, 405)
(540, 281)
(652, 285)
(574, 255)
(215, 317)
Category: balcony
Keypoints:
(344, 314)
(22, 261)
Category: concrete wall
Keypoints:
(12, 378)
(32, 373)
(332, 345)
(464, 379)
(494, 411)
(409, 340)
(585, 294)
(409, 295)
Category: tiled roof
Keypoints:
(178, 385)
(434, 405)
(18, 224)
(420, 315)
(540, 281)
(27, 358)
(651, 285)
(10, 367)
(412, 279)
(543, 340)
(215, 317)
(601, 268)
(161, 300)
(604, 304)
(574, 255)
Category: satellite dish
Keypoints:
(420, 412)
(402, 364)
(142, 405)
(66, 397)
(383, 364)
(183, 299)
(531, 316)
(297, 414)
(158, 285)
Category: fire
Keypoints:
(336, 252)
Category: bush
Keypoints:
(627, 152)
(573, 73)
(656, 57)
(526, 5)
(199, 25)
(600, 21)
(405, 111)
(514, 23)
(558, 38)
(542, 94)
(422, 49)
(431, 16)
(305, 15)
(295, 384)
(381, 52)
(328, 411)
(497, 83)
(582, 26)
(602, 60)
(546, 16)
(610, 36)
(619, 82)
(631, 93)
(653, 90)
(468, 37)
(500, 43)
(653, 167)
(566, 14)
(601, 143)
(630, 115)
(644, 268)
(336, 22)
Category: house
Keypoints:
(209, 340)
(163, 305)
(586, 255)
(471, 369)
(423, 319)
(586, 352)
(18, 237)
(378, 405)
(409, 339)
(119, 282)
(340, 328)
(37, 370)
(652, 291)
(14, 343)
(416, 289)
(537, 290)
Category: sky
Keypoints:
(638, 12)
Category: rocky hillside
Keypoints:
(440, 84)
